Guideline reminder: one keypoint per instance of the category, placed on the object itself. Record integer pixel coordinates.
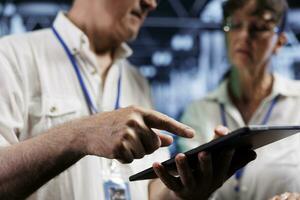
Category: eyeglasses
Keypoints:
(256, 28)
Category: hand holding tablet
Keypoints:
(242, 141)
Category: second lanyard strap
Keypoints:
(265, 119)
(239, 173)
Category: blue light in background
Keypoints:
(182, 42)
(162, 58)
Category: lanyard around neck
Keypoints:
(265, 119)
(92, 108)
(239, 173)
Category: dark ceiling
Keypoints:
(187, 3)
(294, 3)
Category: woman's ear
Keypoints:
(281, 41)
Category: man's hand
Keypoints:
(127, 134)
(124, 134)
(212, 171)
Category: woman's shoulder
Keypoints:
(287, 87)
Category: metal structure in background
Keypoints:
(185, 54)
(180, 48)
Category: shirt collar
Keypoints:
(77, 41)
(285, 87)
(281, 86)
(220, 94)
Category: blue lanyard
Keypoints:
(239, 173)
(265, 119)
(92, 108)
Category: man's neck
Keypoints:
(105, 62)
(103, 52)
(101, 42)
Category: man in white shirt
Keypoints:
(52, 79)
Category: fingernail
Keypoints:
(180, 157)
(202, 155)
(190, 132)
(156, 166)
(222, 129)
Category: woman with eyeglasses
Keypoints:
(252, 95)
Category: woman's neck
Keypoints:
(248, 91)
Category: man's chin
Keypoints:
(127, 36)
(132, 35)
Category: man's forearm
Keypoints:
(125, 134)
(28, 165)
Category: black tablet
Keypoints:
(250, 137)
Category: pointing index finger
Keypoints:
(154, 119)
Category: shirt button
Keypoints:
(53, 109)
(94, 72)
(82, 40)
(75, 51)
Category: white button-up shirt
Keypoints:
(276, 170)
(39, 89)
